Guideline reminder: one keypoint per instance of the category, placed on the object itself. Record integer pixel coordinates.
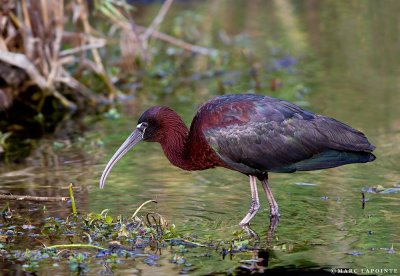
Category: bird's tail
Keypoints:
(333, 158)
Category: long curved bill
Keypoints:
(132, 140)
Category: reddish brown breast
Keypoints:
(198, 153)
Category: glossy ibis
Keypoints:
(251, 134)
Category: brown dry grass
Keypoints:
(33, 36)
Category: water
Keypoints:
(351, 53)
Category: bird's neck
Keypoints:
(184, 149)
(173, 143)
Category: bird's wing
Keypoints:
(273, 135)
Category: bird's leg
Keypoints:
(253, 234)
(273, 206)
(255, 202)
(271, 231)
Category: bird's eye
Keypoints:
(142, 126)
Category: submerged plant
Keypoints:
(79, 242)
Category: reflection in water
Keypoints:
(273, 224)
(260, 259)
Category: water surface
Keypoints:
(350, 52)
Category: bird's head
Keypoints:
(152, 126)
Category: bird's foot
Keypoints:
(274, 211)
(274, 219)
(274, 215)
(250, 232)
(255, 205)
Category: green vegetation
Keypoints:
(87, 71)
(79, 242)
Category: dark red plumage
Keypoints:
(251, 134)
(184, 149)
